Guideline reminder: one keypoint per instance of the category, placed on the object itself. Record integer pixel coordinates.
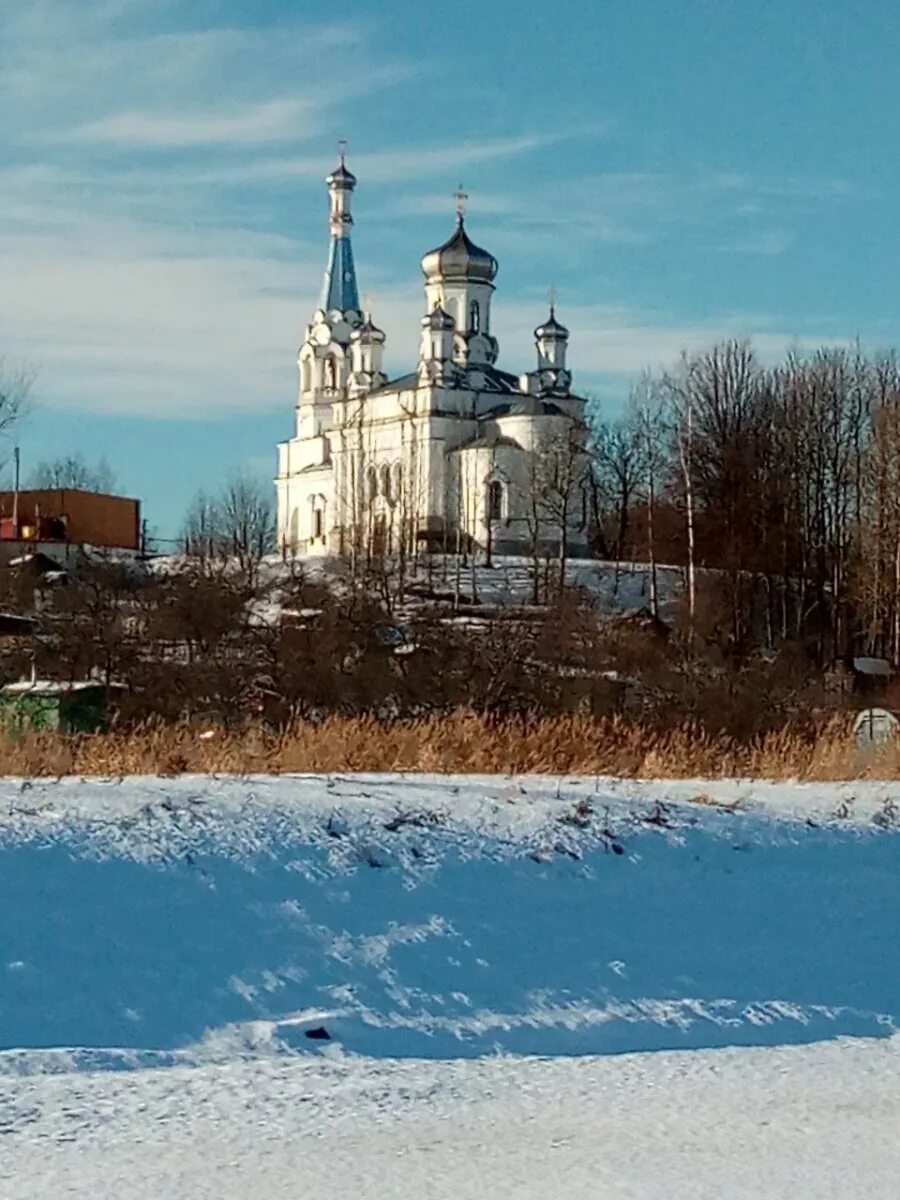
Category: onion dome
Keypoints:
(367, 333)
(438, 319)
(340, 177)
(551, 328)
(459, 259)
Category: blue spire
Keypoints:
(340, 290)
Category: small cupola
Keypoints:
(436, 351)
(551, 339)
(366, 357)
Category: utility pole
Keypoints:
(15, 513)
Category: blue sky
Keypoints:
(679, 171)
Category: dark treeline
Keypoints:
(785, 480)
(211, 646)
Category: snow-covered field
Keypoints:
(413, 986)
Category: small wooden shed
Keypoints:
(80, 706)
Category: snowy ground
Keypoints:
(529, 988)
(814, 1121)
(508, 583)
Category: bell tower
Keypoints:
(325, 358)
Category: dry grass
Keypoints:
(463, 743)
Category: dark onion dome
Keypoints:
(367, 333)
(438, 319)
(342, 178)
(551, 328)
(459, 258)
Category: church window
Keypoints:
(474, 317)
(495, 500)
(330, 373)
(318, 524)
(386, 483)
(398, 481)
(305, 375)
(371, 483)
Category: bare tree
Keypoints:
(202, 529)
(236, 524)
(247, 521)
(618, 453)
(72, 471)
(648, 406)
(561, 472)
(716, 418)
(15, 390)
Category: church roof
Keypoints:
(530, 406)
(497, 382)
(502, 380)
(485, 439)
(340, 290)
(403, 383)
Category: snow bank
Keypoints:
(154, 922)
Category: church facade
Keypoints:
(457, 453)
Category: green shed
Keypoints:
(81, 706)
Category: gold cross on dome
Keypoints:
(551, 296)
(342, 149)
(367, 306)
(460, 196)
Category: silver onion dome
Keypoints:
(551, 328)
(459, 258)
(367, 333)
(340, 177)
(438, 319)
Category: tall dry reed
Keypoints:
(460, 743)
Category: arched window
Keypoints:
(317, 524)
(398, 481)
(386, 483)
(305, 375)
(371, 483)
(495, 500)
(330, 373)
(474, 317)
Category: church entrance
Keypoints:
(379, 536)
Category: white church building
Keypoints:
(456, 453)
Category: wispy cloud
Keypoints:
(271, 121)
(419, 162)
(64, 70)
(140, 273)
(766, 242)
